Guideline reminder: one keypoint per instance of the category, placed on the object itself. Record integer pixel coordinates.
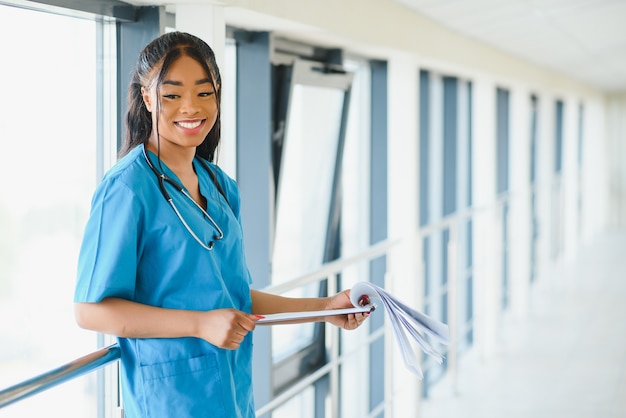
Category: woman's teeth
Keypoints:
(189, 125)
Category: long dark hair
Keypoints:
(163, 51)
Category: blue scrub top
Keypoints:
(135, 248)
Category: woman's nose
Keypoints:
(189, 104)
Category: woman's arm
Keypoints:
(267, 303)
(224, 328)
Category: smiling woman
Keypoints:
(182, 310)
(47, 173)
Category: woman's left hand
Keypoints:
(350, 321)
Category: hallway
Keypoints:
(567, 359)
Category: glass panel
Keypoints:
(355, 170)
(558, 152)
(502, 145)
(451, 146)
(533, 179)
(306, 181)
(424, 144)
(303, 198)
(533, 196)
(557, 186)
(47, 176)
(301, 405)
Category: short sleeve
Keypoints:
(107, 263)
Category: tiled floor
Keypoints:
(567, 359)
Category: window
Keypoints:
(445, 146)
(48, 133)
(307, 166)
(319, 201)
(534, 111)
(502, 186)
(557, 224)
(579, 166)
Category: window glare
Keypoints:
(47, 176)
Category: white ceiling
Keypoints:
(583, 38)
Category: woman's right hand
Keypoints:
(225, 328)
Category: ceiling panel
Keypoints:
(574, 37)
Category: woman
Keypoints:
(162, 263)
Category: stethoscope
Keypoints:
(165, 179)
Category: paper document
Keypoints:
(408, 324)
(288, 316)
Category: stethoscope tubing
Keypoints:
(162, 180)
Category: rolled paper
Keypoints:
(406, 322)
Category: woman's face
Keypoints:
(188, 105)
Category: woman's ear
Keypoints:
(147, 99)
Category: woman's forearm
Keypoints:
(224, 328)
(268, 303)
(124, 318)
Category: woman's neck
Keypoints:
(178, 159)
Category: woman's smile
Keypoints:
(191, 127)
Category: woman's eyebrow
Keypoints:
(179, 83)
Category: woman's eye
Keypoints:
(206, 94)
(171, 96)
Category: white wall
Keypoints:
(520, 200)
(596, 172)
(404, 262)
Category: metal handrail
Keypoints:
(333, 267)
(110, 354)
(59, 375)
